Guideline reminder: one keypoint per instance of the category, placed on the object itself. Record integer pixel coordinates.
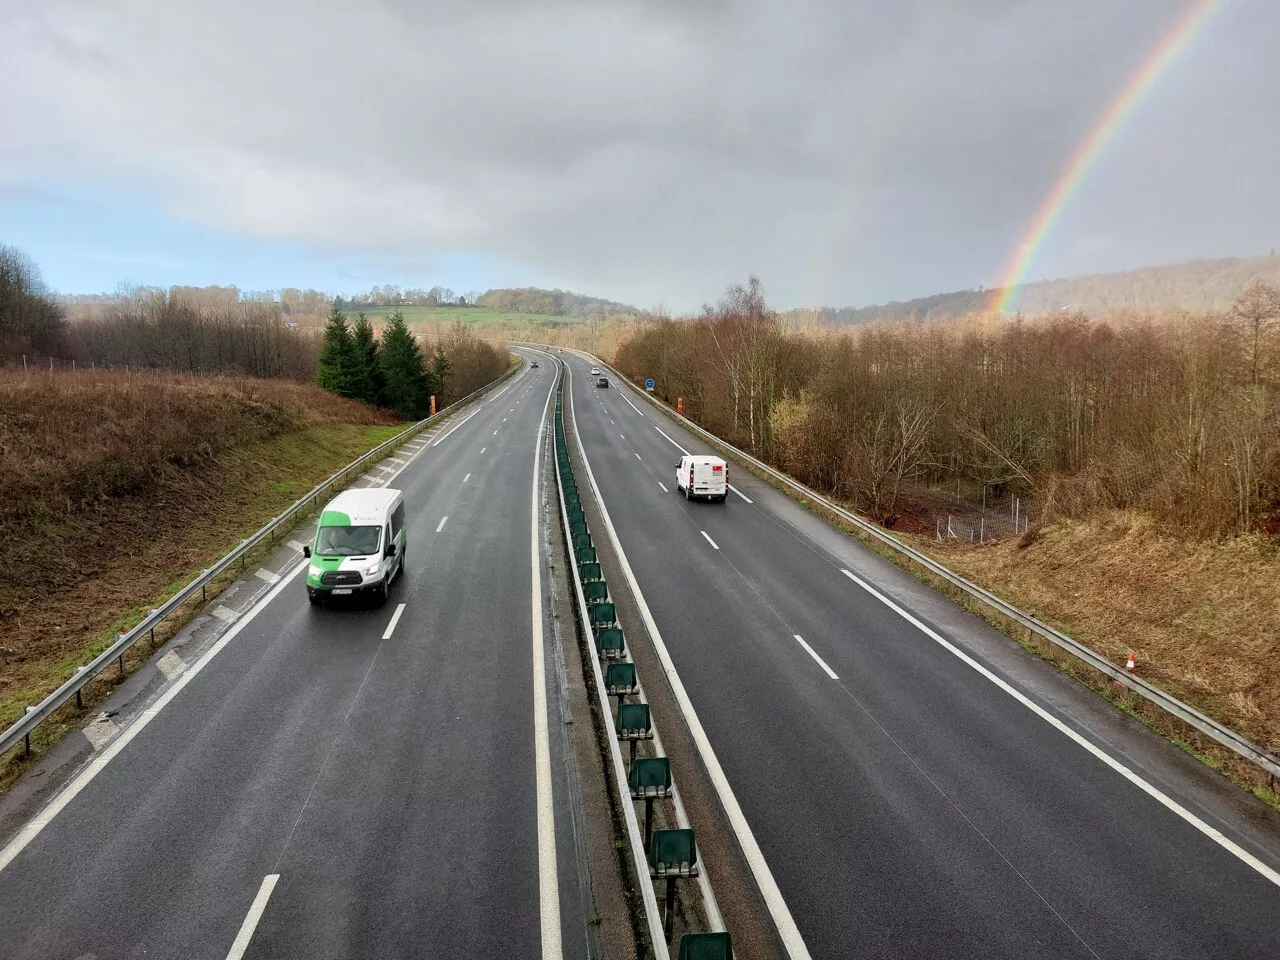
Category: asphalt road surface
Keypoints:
(353, 782)
(905, 803)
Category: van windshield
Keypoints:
(347, 541)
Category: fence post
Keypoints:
(24, 361)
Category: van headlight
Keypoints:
(314, 571)
(372, 568)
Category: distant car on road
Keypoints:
(534, 363)
(602, 382)
(703, 476)
(595, 371)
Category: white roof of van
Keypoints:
(705, 458)
(365, 505)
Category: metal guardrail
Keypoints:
(1205, 724)
(20, 731)
(653, 913)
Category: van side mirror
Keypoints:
(391, 549)
(306, 551)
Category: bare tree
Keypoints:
(1256, 314)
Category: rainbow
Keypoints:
(1086, 155)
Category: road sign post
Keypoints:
(648, 384)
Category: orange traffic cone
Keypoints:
(1131, 666)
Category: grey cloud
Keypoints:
(846, 152)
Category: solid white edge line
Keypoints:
(813, 653)
(251, 919)
(740, 493)
(671, 441)
(785, 924)
(709, 540)
(32, 829)
(443, 520)
(448, 433)
(623, 394)
(395, 618)
(1212, 833)
(548, 881)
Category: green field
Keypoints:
(475, 316)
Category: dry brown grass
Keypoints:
(119, 488)
(1202, 617)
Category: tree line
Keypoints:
(30, 318)
(394, 372)
(1178, 415)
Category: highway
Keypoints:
(341, 782)
(885, 750)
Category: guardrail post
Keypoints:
(79, 690)
(26, 741)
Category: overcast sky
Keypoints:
(651, 151)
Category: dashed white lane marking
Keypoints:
(225, 614)
(266, 575)
(100, 731)
(466, 478)
(622, 437)
(504, 420)
(256, 910)
(442, 523)
(170, 664)
(663, 486)
(741, 494)
(295, 546)
(638, 457)
(395, 618)
(813, 653)
(709, 540)
(495, 433)
(1212, 833)
(612, 424)
(483, 449)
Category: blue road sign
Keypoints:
(648, 384)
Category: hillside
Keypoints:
(1197, 285)
(119, 487)
(556, 303)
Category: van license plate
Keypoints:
(339, 591)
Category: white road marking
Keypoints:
(170, 665)
(785, 924)
(709, 540)
(673, 443)
(741, 494)
(69, 793)
(622, 437)
(623, 395)
(100, 731)
(612, 424)
(445, 436)
(398, 460)
(466, 478)
(256, 910)
(548, 882)
(226, 614)
(295, 546)
(266, 575)
(442, 523)
(395, 618)
(638, 457)
(663, 486)
(504, 420)
(483, 449)
(495, 433)
(1213, 834)
(813, 653)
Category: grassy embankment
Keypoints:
(120, 489)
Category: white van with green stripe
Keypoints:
(358, 547)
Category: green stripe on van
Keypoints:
(334, 518)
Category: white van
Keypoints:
(703, 477)
(359, 545)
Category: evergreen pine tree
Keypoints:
(370, 381)
(337, 369)
(440, 371)
(408, 385)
